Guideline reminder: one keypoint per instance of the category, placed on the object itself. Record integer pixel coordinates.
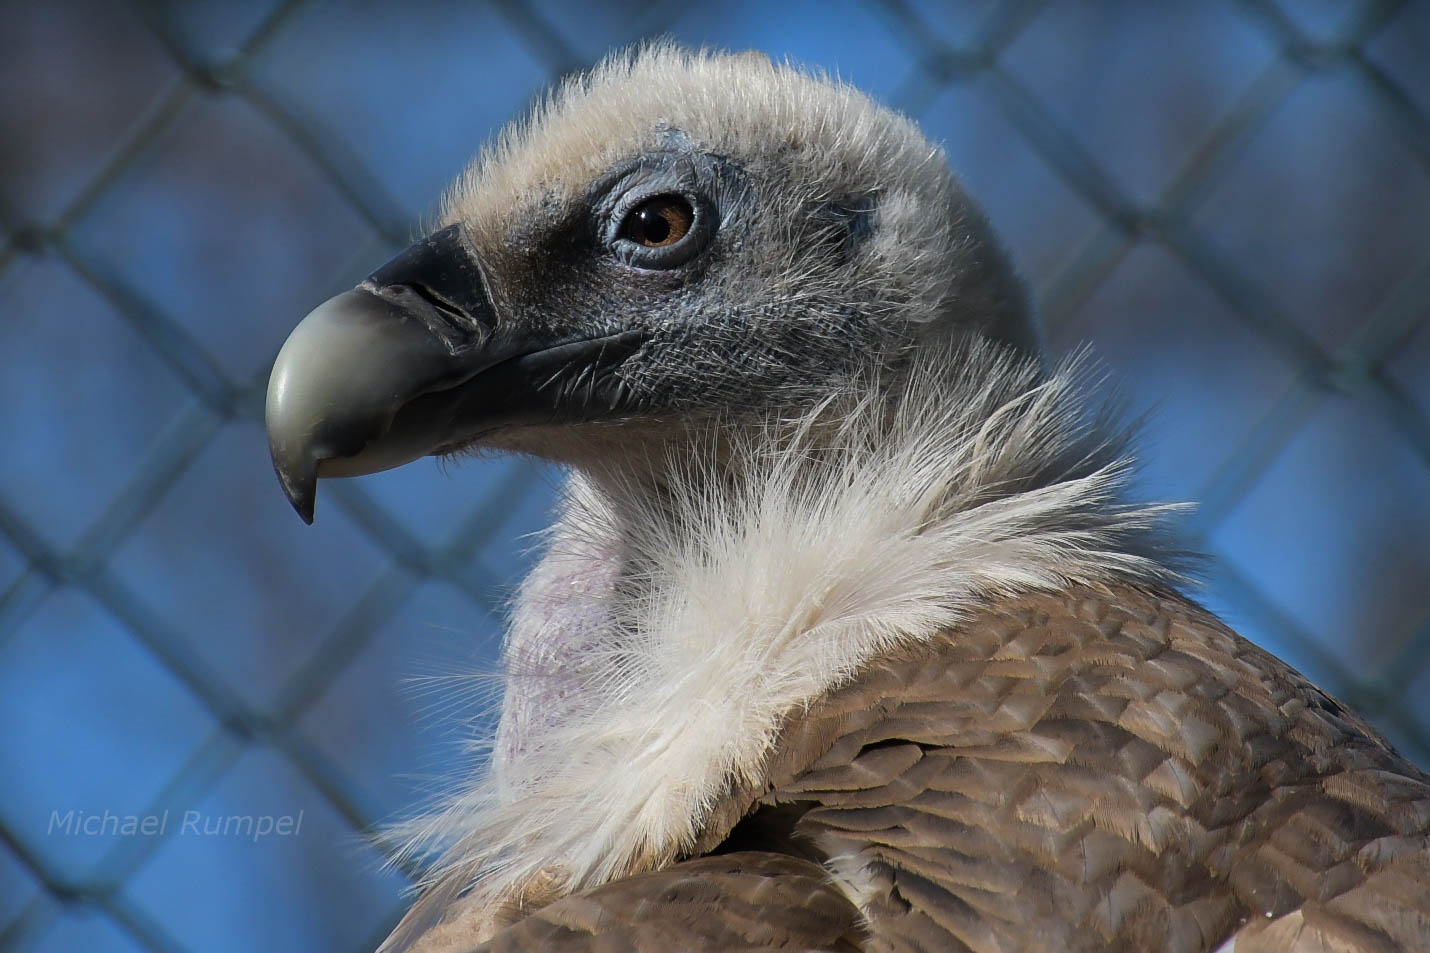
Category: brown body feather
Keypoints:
(1085, 770)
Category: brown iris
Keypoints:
(659, 222)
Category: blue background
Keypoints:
(1230, 200)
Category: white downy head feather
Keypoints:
(656, 649)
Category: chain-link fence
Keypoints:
(207, 705)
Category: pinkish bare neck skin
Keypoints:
(562, 613)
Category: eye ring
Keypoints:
(661, 231)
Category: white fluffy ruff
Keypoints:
(658, 647)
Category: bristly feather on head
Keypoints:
(933, 261)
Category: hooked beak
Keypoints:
(413, 361)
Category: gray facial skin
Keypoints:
(589, 325)
(567, 314)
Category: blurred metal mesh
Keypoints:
(1168, 220)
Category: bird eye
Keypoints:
(659, 222)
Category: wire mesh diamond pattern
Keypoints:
(1227, 199)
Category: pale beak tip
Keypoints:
(293, 457)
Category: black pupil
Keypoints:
(654, 227)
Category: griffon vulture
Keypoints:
(846, 637)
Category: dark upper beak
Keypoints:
(414, 361)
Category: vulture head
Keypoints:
(671, 243)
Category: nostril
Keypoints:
(442, 270)
(457, 327)
(430, 296)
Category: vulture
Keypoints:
(848, 635)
